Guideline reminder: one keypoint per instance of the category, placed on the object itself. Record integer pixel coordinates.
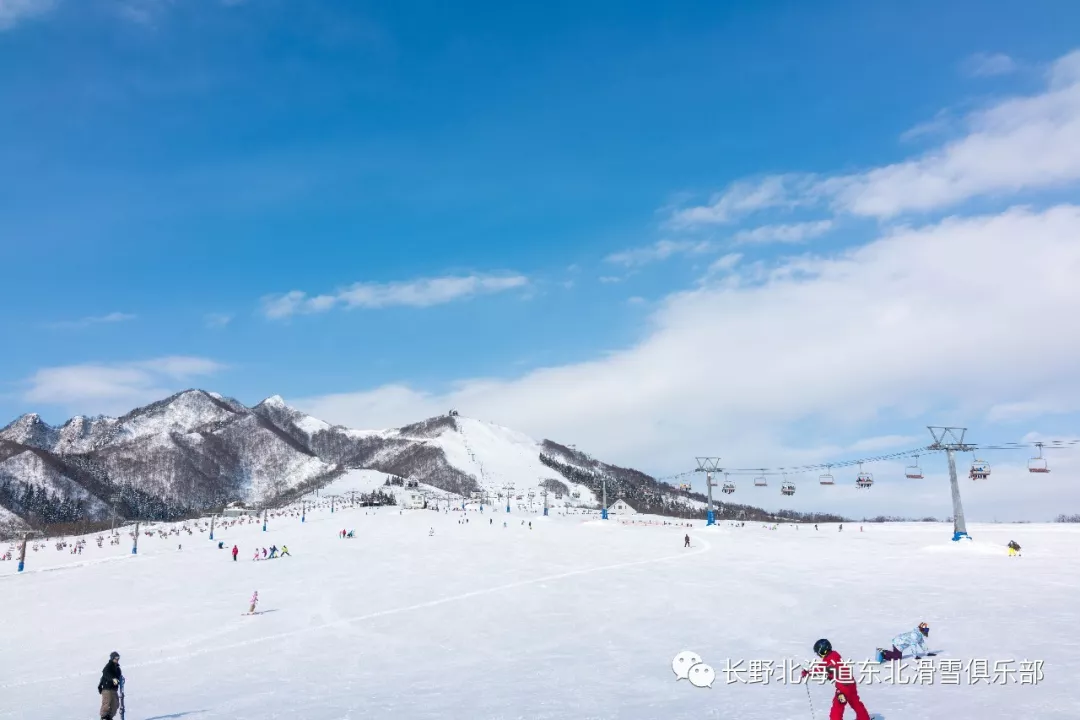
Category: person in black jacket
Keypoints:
(109, 687)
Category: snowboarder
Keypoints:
(284, 551)
(254, 602)
(847, 693)
(235, 552)
(686, 541)
(1014, 548)
(109, 687)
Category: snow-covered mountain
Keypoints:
(198, 450)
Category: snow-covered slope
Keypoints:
(422, 616)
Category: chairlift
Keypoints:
(760, 480)
(1038, 464)
(914, 472)
(827, 478)
(788, 488)
(728, 486)
(864, 479)
(980, 470)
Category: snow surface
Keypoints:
(575, 618)
(497, 456)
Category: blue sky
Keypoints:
(470, 200)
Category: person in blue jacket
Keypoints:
(915, 641)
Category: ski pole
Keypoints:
(811, 701)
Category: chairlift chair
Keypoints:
(788, 488)
(1038, 464)
(980, 470)
(760, 480)
(864, 479)
(914, 472)
(827, 478)
(728, 486)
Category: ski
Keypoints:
(123, 709)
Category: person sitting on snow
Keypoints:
(914, 640)
(1014, 548)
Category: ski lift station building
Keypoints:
(622, 508)
(413, 500)
(236, 510)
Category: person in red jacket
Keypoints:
(235, 552)
(847, 693)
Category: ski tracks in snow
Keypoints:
(706, 547)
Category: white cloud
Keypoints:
(745, 197)
(113, 317)
(424, 292)
(989, 65)
(661, 250)
(217, 320)
(1019, 144)
(114, 387)
(791, 233)
(831, 342)
(12, 12)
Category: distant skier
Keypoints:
(1014, 548)
(254, 602)
(256, 554)
(284, 551)
(235, 552)
(431, 532)
(264, 553)
(915, 641)
(686, 541)
(109, 687)
(841, 527)
(273, 551)
(847, 693)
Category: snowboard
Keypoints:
(910, 657)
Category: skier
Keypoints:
(431, 532)
(235, 552)
(284, 551)
(109, 687)
(914, 640)
(256, 554)
(264, 553)
(841, 527)
(1014, 548)
(686, 541)
(847, 693)
(254, 602)
(273, 551)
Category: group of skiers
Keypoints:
(267, 554)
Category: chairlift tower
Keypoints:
(709, 465)
(509, 488)
(951, 440)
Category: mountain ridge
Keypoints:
(196, 451)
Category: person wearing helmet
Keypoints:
(832, 666)
(915, 641)
(109, 687)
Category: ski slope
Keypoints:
(575, 618)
